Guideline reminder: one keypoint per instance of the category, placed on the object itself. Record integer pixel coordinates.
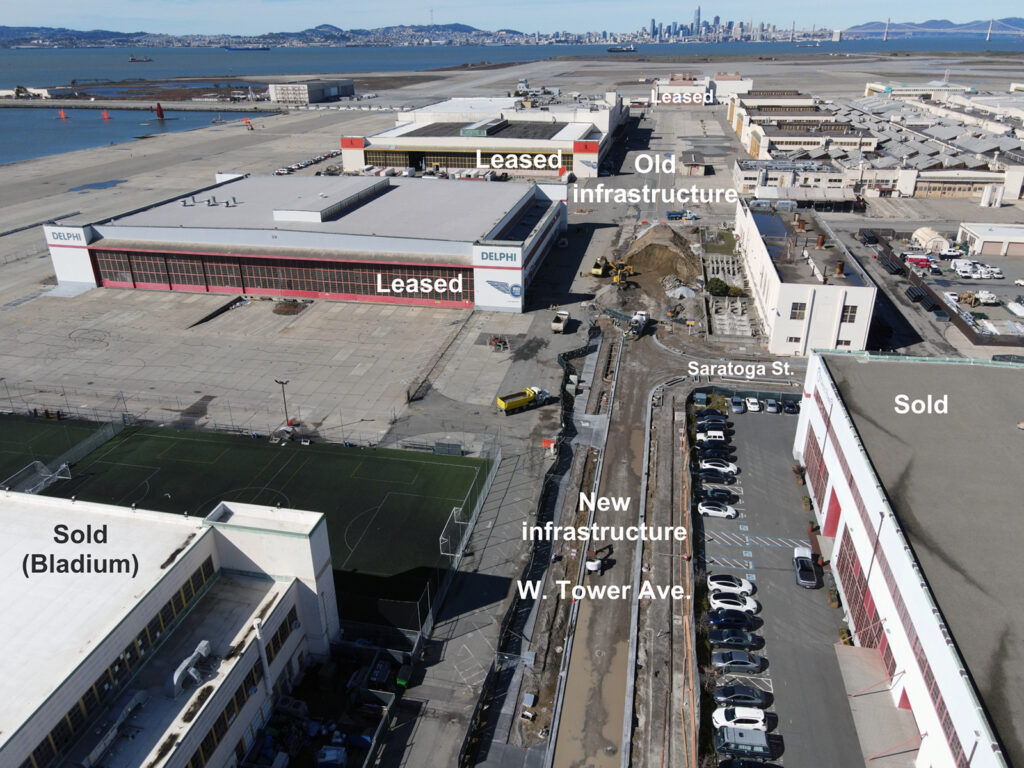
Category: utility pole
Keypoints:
(283, 399)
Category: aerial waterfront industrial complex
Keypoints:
(616, 412)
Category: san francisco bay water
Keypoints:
(24, 135)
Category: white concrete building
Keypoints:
(137, 638)
(570, 135)
(992, 239)
(931, 89)
(310, 91)
(919, 516)
(810, 294)
(688, 89)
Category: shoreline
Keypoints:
(140, 137)
(144, 106)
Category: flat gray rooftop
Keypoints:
(514, 130)
(54, 621)
(786, 246)
(435, 210)
(956, 485)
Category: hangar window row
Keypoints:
(287, 277)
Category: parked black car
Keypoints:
(791, 406)
(716, 453)
(723, 495)
(734, 638)
(708, 412)
(730, 618)
(710, 445)
(740, 696)
(714, 476)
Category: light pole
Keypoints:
(283, 399)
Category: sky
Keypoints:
(248, 17)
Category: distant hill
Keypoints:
(320, 34)
(33, 33)
(1013, 24)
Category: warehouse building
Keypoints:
(683, 89)
(380, 239)
(310, 91)
(809, 291)
(469, 133)
(920, 575)
(992, 239)
(148, 639)
(933, 89)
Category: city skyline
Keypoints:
(244, 18)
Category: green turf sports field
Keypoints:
(385, 508)
(24, 439)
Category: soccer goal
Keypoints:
(35, 477)
(451, 538)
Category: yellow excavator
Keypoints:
(620, 271)
(600, 268)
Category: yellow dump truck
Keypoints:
(531, 397)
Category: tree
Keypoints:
(735, 291)
(717, 287)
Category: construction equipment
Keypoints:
(499, 343)
(600, 268)
(637, 324)
(531, 397)
(560, 321)
(620, 271)
(968, 298)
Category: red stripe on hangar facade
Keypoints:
(288, 277)
(352, 142)
(586, 147)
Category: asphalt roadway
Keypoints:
(590, 733)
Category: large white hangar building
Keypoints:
(462, 133)
(444, 243)
(913, 466)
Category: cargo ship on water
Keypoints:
(622, 49)
(246, 47)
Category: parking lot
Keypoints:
(809, 717)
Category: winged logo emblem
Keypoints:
(515, 290)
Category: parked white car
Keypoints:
(753, 405)
(733, 602)
(717, 509)
(739, 717)
(726, 582)
(720, 464)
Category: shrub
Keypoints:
(717, 287)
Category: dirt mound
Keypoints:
(660, 252)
